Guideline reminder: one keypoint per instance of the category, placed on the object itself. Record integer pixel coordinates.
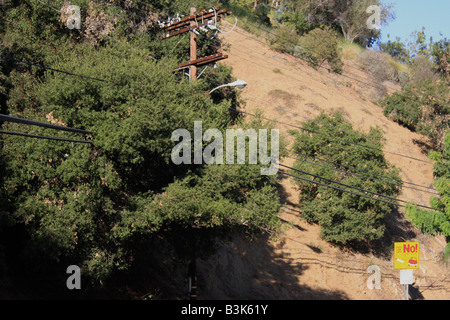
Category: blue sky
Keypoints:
(412, 15)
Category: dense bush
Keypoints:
(344, 217)
(423, 107)
(321, 45)
(98, 205)
(284, 39)
(437, 222)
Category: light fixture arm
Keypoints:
(240, 84)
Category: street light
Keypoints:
(240, 84)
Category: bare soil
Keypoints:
(299, 264)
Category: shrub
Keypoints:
(440, 52)
(350, 51)
(91, 204)
(284, 39)
(262, 12)
(422, 107)
(437, 222)
(378, 65)
(344, 217)
(422, 70)
(319, 46)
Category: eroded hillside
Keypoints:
(300, 265)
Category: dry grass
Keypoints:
(289, 99)
(350, 51)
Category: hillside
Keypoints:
(300, 265)
(111, 195)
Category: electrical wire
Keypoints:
(7, 118)
(354, 193)
(221, 31)
(47, 5)
(308, 118)
(285, 75)
(233, 109)
(53, 138)
(274, 34)
(353, 187)
(364, 176)
(319, 133)
(52, 69)
(43, 137)
(300, 70)
(319, 66)
(340, 189)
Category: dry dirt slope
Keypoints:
(300, 265)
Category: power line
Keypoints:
(353, 187)
(4, 117)
(319, 66)
(308, 118)
(319, 133)
(52, 69)
(7, 118)
(412, 158)
(303, 48)
(340, 189)
(43, 137)
(252, 61)
(300, 70)
(348, 191)
(127, 9)
(107, 3)
(47, 5)
(360, 175)
(330, 264)
(236, 110)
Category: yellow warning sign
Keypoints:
(406, 255)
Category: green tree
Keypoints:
(395, 49)
(422, 107)
(437, 222)
(319, 46)
(348, 16)
(352, 18)
(284, 39)
(344, 218)
(97, 205)
(440, 51)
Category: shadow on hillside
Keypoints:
(398, 229)
(258, 269)
(425, 146)
(252, 269)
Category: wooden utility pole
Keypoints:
(193, 50)
(189, 24)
